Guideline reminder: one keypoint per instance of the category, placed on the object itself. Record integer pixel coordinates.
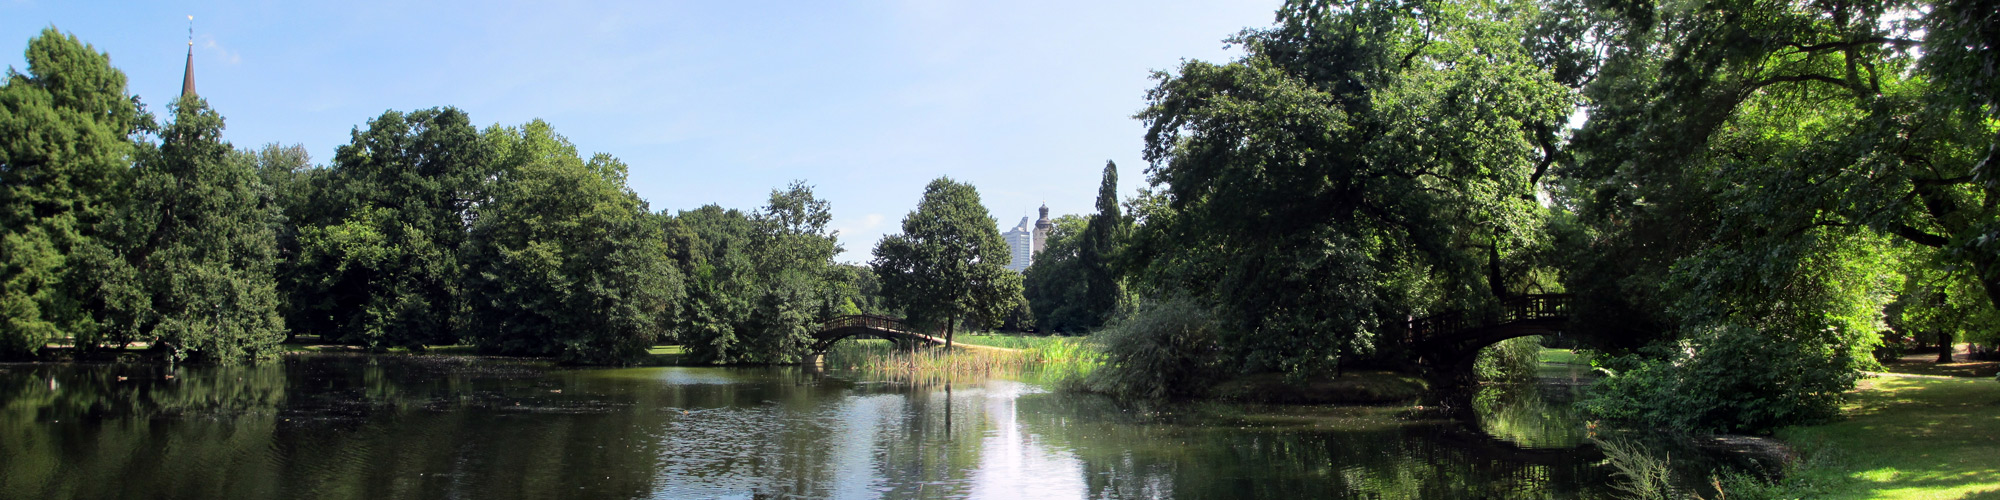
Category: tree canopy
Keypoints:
(947, 265)
(198, 245)
(564, 260)
(1361, 163)
(68, 131)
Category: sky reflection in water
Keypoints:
(404, 427)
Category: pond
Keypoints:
(332, 426)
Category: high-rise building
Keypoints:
(1042, 227)
(1024, 242)
(1021, 245)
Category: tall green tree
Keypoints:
(381, 260)
(1361, 163)
(947, 265)
(67, 135)
(794, 254)
(1056, 284)
(1745, 169)
(761, 282)
(1102, 239)
(296, 188)
(721, 282)
(565, 260)
(198, 234)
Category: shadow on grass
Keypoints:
(1916, 438)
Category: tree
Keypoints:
(1056, 284)
(198, 237)
(67, 135)
(946, 266)
(381, 261)
(565, 260)
(794, 254)
(721, 282)
(762, 282)
(856, 290)
(1745, 170)
(295, 187)
(1102, 239)
(1362, 163)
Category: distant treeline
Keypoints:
(117, 229)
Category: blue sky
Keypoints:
(708, 102)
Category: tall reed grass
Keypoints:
(1054, 361)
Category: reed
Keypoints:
(1053, 360)
(1645, 476)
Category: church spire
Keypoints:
(187, 78)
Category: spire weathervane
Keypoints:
(187, 79)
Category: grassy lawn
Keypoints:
(1552, 355)
(1555, 363)
(1911, 438)
(666, 355)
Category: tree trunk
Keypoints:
(1944, 346)
(950, 329)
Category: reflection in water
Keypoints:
(427, 427)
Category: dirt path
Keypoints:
(1925, 365)
(977, 347)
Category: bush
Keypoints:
(1729, 379)
(1511, 360)
(1166, 349)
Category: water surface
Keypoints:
(450, 427)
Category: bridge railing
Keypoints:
(1520, 308)
(868, 321)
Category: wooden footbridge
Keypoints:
(1446, 345)
(870, 326)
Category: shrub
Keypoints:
(1511, 360)
(1166, 349)
(1730, 379)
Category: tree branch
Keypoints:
(1918, 236)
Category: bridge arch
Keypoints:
(868, 326)
(1447, 345)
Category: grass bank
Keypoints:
(1905, 438)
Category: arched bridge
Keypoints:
(1447, 344)
(869, 326)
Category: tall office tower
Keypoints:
(1021, 245)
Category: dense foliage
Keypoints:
(423, 231)
(1075, 284)
(1756, 189)
(946, 266)
(1166, 349)
(566, 261)
(1750, 173)
(1055, 284)
(67, 136)
(760, 283)
(378, 263)
(198, 245)
(1362, 163)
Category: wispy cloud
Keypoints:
(208, 43)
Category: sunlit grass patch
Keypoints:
(1553, 355)
(1916, 438)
